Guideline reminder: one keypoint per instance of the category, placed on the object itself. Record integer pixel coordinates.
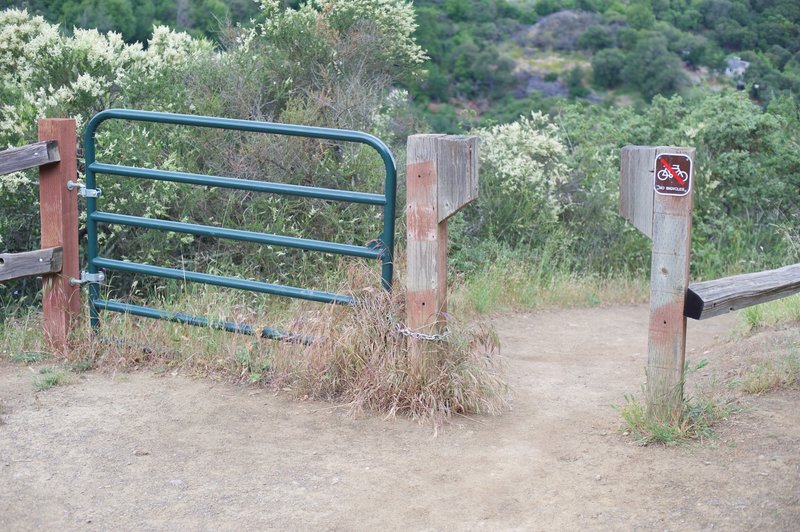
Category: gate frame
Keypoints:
(381, 248)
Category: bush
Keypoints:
(522, 166)
(607, 68)
(595, 38)
(653, 69)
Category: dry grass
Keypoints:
(361, 358)
(501, 289)
(358, 357)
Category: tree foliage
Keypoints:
(135, 19)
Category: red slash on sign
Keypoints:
(673, 172)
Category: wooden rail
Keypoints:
(30, 156)
(39, 262)
(712, 298)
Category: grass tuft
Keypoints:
(780, 312)
(766, 376)
(522, 287)
(48, 378)
(695, 423)
(698, 417)
(29, 357)
(361, 357)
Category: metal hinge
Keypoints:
(87, 277)
(82, 190)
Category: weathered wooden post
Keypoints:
(656, 197)
(441, 178)
(59, 217)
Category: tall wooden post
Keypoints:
(59, 217)
(656, 190)
(441, 178)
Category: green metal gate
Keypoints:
(381, 248)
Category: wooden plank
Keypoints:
(30, 263)
(457, 173)
(59, 217)
(720, 296)
(30, 156)
(636, 194)
(671, 231)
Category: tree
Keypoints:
(606, 68)
(575, 83)
(641, 17)
(595, 38)
(652, 68)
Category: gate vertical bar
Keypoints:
(389, 212)
(91, 225)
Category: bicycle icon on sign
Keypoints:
(665, 174)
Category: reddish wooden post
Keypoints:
(656, 196)
(59, 216)
(441, 178)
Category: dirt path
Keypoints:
(143, 452)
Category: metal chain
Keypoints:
(397, 328)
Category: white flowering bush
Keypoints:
(392, 25)
(523, 165)
(45, 73)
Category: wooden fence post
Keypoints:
(656, 196)
(441, 178)
(59, 217)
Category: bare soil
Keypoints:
(139, 451)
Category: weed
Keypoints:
(753, 317)
(767, 376)
(358, 355)
(49, 377)
(695, 422)
(29, 357)
(512, 283)
(21, 338)
(774, 313)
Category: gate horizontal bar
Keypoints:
(219, 280)
(198, 321)
(240, 184)
(244, 125)
(236, 234)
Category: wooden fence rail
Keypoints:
(39, 262)
(720, 296)
(30, 156)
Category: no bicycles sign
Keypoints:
(673, 174)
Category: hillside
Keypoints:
(490, 59)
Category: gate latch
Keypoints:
(87, 277)
(82, 190)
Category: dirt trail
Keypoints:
(145, 452)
